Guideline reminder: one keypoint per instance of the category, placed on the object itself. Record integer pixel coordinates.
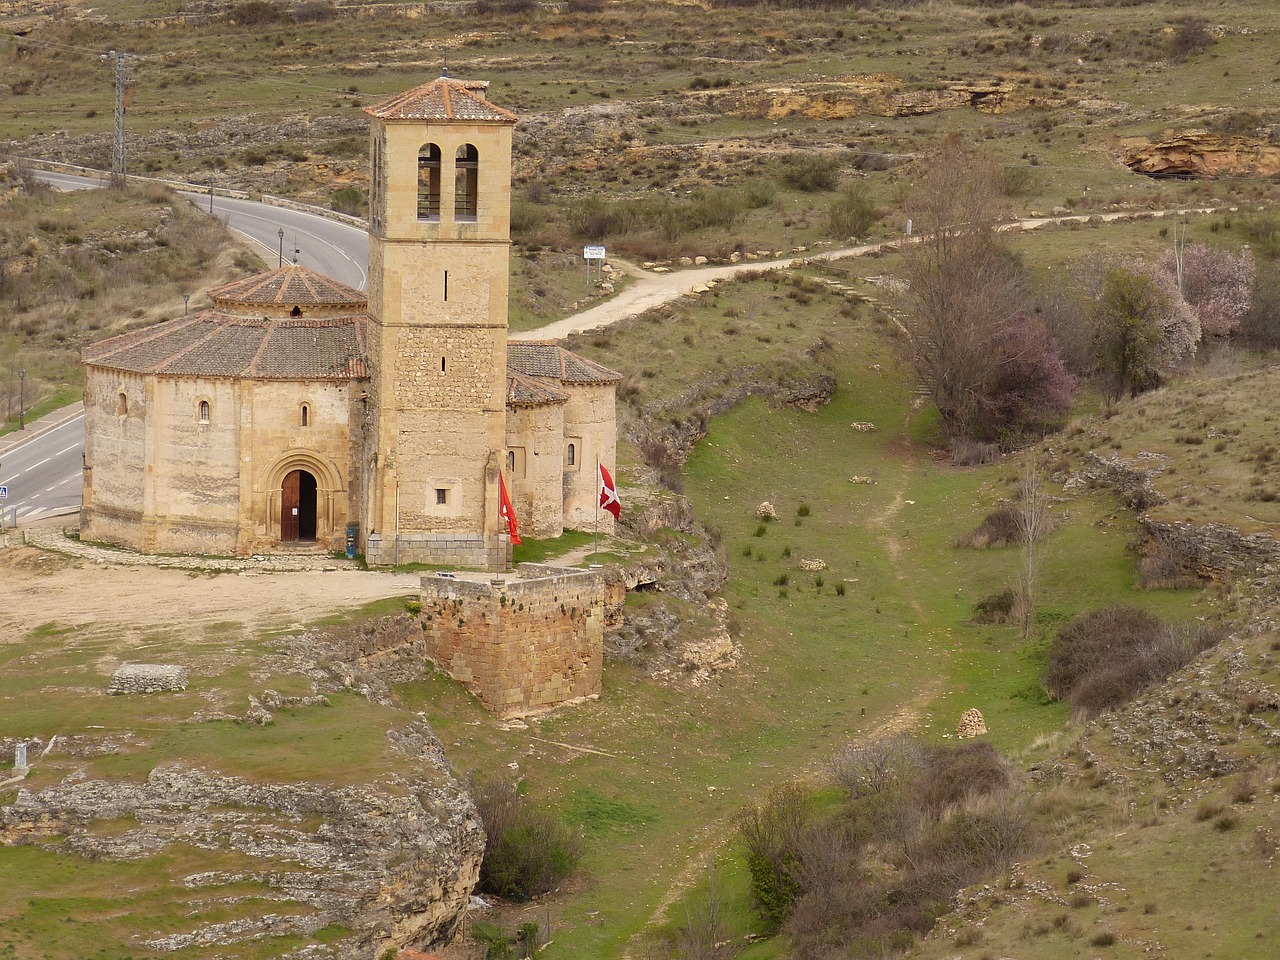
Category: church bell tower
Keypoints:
(439, 239)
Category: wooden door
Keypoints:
(290, 504)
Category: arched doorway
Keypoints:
(298, 507)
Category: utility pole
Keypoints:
(124, 93)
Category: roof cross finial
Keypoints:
(444, 71)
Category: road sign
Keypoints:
(593, 253)
(4, 493)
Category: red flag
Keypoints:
(609, 494)
(506, 512)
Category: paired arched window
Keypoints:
(429, 182)
(203, 411)
(466, 183)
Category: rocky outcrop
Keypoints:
(880, 95)
(393, 861)
(1213, 551)
(1198, 154)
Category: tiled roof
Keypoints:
(546, 358)
(219, 345)
(290, 286)
(525, 391)
(443, 99)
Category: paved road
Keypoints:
(327, 246)
(43, 475)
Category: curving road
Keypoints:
(42, 473)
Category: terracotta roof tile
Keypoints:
(546, 358)
(443, 99)
(525, 391)
(218, 345)
(292, 285)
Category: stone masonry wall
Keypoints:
(520, 645)
(536, 435)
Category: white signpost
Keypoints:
(592, 254)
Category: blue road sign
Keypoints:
(4, 493)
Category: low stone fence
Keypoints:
(148, 678)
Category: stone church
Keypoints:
(297, 409)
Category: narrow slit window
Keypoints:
(571, 456)
(122, 404)
(466, 183)
(203, 411)
(306, 415)
(442, 364)
(446, 286)
(511, 462)
(429, 182)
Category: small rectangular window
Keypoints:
(442, 497)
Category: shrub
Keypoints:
(1166, 564)
(771, 833)
(1001, 527)
(254, 13)
(348, 200)
(1105, 658)
(1260, 326)
(997, 608)
(969, 771)
(1190, 36)
(810, 172)
(527, 851)
(852, 213)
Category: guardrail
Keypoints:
(204, 189)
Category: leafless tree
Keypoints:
(1033, 526)
(966, 300)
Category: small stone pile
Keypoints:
(148, 678)
(864, 427)
(766, 511)
(811, 564)
(971, 725)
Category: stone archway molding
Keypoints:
(328, 476)
(330, 493)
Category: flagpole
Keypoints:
(597, 506)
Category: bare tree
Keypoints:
(1033, 526)
(975, 347)
(704, 932)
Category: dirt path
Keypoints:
(655, 289)
(42, 587)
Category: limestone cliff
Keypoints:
(393, 861)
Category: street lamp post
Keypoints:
(22, 399)
(280, 234)
(186, 299)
